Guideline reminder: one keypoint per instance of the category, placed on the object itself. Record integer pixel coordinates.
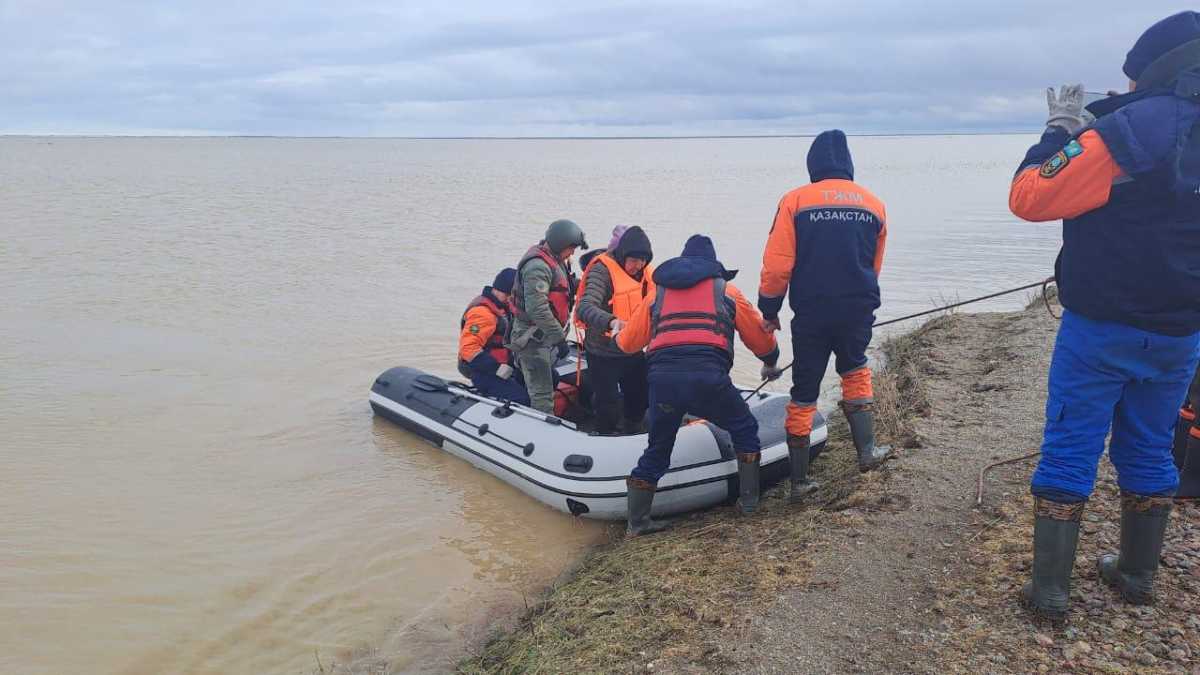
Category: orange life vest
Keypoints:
(627, 292)
(560, 296)
(699, 316)
(495, 344)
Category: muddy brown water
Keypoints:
(193, 481)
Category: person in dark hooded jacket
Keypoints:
(614, 283)
(1127, 190)
(687, 332)
(825, 250)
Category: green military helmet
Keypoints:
(564, 233)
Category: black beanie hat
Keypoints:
(504, 280)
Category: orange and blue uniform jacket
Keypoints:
(826, 251)
(1128, 273)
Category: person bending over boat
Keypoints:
(482, 354)
(612, 286)
(687, 331)
(1127, 188)
(825, 250)
(542, 298)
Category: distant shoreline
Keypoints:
(526, 138)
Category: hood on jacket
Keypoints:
(635, 243)
(829, 157)
(697, 263)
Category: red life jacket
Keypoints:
(495, 344)
(699, 316)
(560, 296)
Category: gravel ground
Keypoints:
(931, 587)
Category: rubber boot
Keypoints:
(1189, 472)
(1143, 524)
(1055, 536)
(799, 452)
(862, 429)
(641, 498)
(748, 465)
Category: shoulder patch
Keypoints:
(1073, 149)
(1053, 166)
(542, 287)
(474, 329)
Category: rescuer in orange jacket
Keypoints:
(826, 250)
(688, 334)
(482, 355)
(613, 284)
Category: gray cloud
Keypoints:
(659, 67)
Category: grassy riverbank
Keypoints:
(895, 570)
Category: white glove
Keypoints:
(1066, 109)
(504, 372)
(771, 373)
(615, 326)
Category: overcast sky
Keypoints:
(515, 68)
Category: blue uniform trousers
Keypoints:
(844, 332)
(1109, 375)
(705, 393)
(512, 389)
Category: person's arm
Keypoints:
(597, 293)
(779, 258)
(636, 334)
(748, 322)
(536, 277)
(1063, 178)
(478, 327)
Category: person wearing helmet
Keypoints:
(542, 298)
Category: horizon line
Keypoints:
(514, 138)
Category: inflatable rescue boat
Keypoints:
(557, 462)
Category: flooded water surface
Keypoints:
(193, 480)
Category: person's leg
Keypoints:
(668, 403)
(1140, 451)
(606, 373)
(635, 392)
(511, 389)
(810, 358)
(536, 367)
(858, 394)
(1084, 386)
(719, 402)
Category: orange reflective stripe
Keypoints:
(857, 386)
(1187, 414)
(799, 419)
(1081, 184)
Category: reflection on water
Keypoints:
(191, 325)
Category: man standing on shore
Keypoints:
(1128, 194)
(826, 250)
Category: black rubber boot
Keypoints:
(1143, 524)
(862, 429)
(1055, 536)
(748, 463)
(799, 452)
(1189, 472)
(641, 498)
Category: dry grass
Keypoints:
(670, 602)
